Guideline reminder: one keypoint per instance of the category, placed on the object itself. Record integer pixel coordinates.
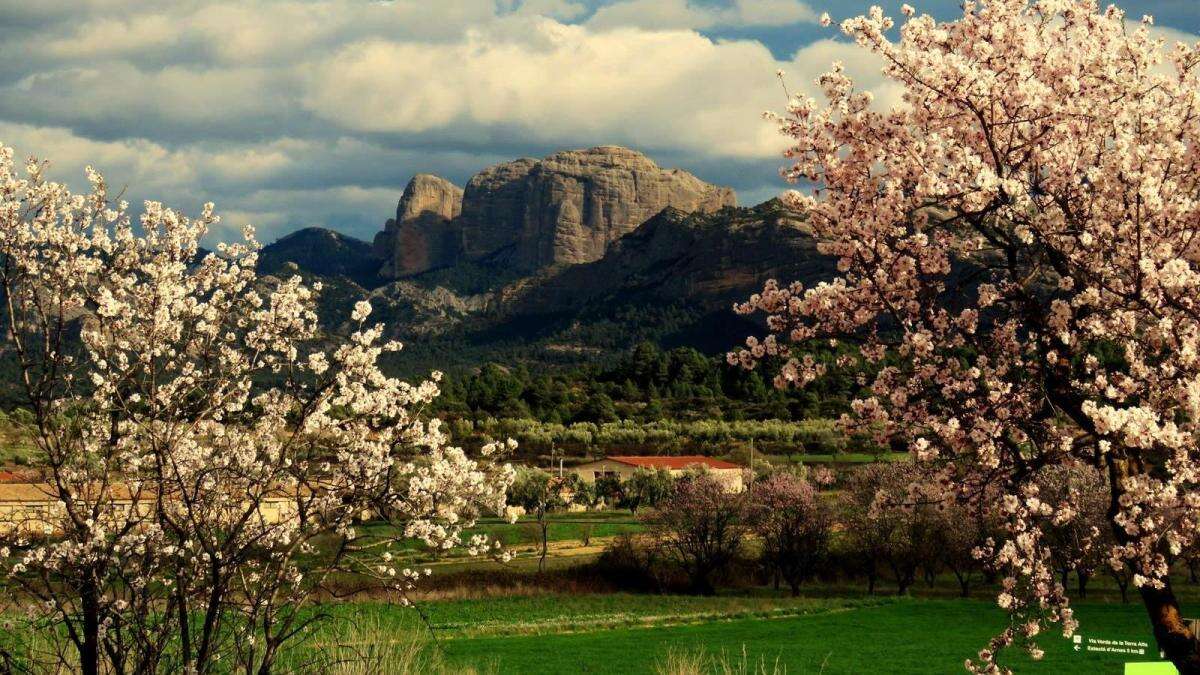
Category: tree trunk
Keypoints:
(1174, 637)
(545, 540)
(89, 650)
(1083, 582)
(964, 583)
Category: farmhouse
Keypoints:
(623, 466)
(34, 508)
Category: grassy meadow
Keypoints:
(622, 633)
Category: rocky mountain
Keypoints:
(530, 214)
(558, 260)
(708, 260)
(673, 280)
(424, 235)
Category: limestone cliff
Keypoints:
(531, 214)
(424, 235)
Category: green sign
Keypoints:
(1096, 645)
(1151, 668)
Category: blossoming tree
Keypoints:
(1018, 237)
(787, 514)
(207, 449)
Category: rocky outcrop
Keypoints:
(494, 205)
(705, 260)
(424, 235)
(568, 208)
(530, 214)
(673, 279)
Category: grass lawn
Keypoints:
(897, 636)
(622, 633)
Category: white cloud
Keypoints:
(675, 14)
(552, 82)
(562, 10)
(290, 112)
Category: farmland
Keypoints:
(638, 633)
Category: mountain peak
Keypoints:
(321, 251)
(564, 209)
(423, 235)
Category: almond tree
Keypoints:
(1076, 542)
(700, 526)
(891, 518)
(786, 512)
(208, 450)
(1017, 257)
(965, 523)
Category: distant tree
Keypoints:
(786, 513)
(700, 526)
(964, 525)
(496, 391)
(653, 411)
(598, 408)
(608, 487)
(645, 488)
(1080, 496)
(646, 365)
(539, 493)
(889, 522)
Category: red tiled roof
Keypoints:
(678, 462)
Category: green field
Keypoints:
(521, 537)
(620, 633)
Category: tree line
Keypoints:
(882, 522)
(646, 383)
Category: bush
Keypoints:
(627, 564)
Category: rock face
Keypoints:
(706, 260)
(494, 205)
(570, 206)
(530, 214)
(424, 234)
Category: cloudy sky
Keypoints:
(293, 113)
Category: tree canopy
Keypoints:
(1017, 251)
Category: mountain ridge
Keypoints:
(672, 280)
(471, 267)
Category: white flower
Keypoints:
(362, 309)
